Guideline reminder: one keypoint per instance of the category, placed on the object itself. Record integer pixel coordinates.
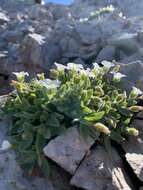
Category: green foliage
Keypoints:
(42, 109)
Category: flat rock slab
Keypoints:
(100, 171)
(136, 162)
(68, 149)
(134, 150)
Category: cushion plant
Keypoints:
(90, 99)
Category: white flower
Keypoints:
(5, 145)
(50, 84)
(136, 91)
(22, 73)
(60, 66)
(75, 66)
(107, 64)
(89, 73)
(118, 76)
(96, 66)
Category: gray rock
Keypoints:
(31, 51)
(136, 162)
(134, 144)
(125, 40)
(134, 150)
(107, 53)
(88, 33)
(79, 61)
(3, 99)
(133, 58)
(134, 73)
(68, 149)
(3, 18)
(140, 115)
(101, 171)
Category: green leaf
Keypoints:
(116, 136)
(39, 145)
(26, 141)
(45, 167)
(95, 116)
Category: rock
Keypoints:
(3, 99)
(31, 51)
(39, 13)
(134, 73)
(133, 58)
(88, 33)
(69, 45)
(125, 40)
(68, 149)
(3, 18)
(13, 36)
(140, 115)
(134, 144)
(136, 162)
(134, 150)
(107, 53)
(101, 171)
(79, 61)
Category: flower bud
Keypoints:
(99, 91)
(120, 98)
(136, 108)
(132, 131)
(53, 73)
(102, 128)
(15, 83)
(111, 122)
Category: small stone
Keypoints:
(5, 145)
(68, 149)
(101, 171)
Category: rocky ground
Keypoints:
(32, 38)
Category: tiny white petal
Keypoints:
(50, 84)
(118, 76)
(5, 145)
(107, 64)
(137, 91)
(17, 74)
(74, 66)
(96, 66)
(60, 66)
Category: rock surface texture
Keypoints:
(69, 149)
(101, 171)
